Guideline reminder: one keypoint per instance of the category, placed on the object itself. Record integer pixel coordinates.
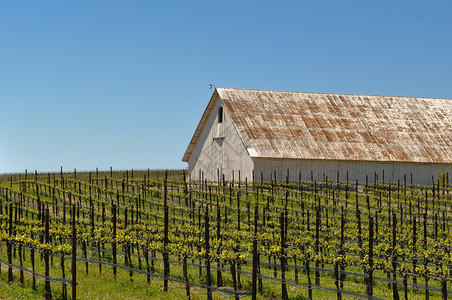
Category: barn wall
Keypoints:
(421, 173)
(219, 150)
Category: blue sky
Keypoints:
(91, 84)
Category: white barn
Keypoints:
(269, 134)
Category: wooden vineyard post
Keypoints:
(21, 278)
(113, 212)
(239, 282)
(74, 255)
(126, 245)
(187, 283)
(316, 246)
(336, 280)
(427, 293)
(48, 293)
(368, 203)
(341, 251)
(356, 195)
(256, 220)
(33, 266)
(414, 258)
(207, 247)
(166, 270)
(371, 254)
(395, 293)
(308, 274)
(234, 278)
(64, 211)
(336, 263)
(360, 241)
(146, 257)
(9, 246)
(284, 294)
(346, 192)
(443, 288)
(254, 274)
(219, 276)
(63, 273)
(85, 255)
(198, 247)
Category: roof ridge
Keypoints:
(333, 94)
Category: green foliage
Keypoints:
(142, 227)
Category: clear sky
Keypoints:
(88, 84)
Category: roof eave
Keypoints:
(200, 126)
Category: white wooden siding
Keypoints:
(422, 173)
(219, 151)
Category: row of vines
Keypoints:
(370, 240)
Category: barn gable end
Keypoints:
(217, 148)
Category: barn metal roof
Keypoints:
(298, 125)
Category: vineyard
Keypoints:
(297, 239)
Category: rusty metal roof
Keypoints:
(298, 125)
